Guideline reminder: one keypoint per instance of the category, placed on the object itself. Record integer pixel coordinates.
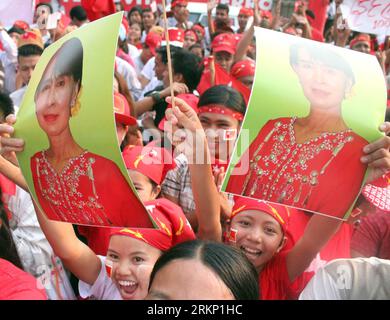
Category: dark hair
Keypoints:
(133, 9)
(78, 12)
(227, 262)
(162, 51)
(225, 95)
(47, 4)
(187, 64)
(15, 30)
(69, 61)
(310, 13)
(6, 104)
(29, 50)
(8, 249)
(196, 46)
(327, 56)
(148, 9)
(223, 6)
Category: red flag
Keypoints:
(319, 7)
(220, 77)
(98, 8)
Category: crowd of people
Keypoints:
(177, 137)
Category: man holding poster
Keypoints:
(300, 158)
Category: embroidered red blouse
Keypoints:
(323, 174)
(90, 190)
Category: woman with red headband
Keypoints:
(124, 272)
(265, 232)
(220, 111)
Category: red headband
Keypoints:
(221, 109)
(172, 226)
(279, 212)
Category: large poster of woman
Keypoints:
(72, 160)
(313, 108)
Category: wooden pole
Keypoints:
(168, 53)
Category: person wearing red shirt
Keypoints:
(16, 284)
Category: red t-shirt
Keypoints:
(274, 283)
(15, 284)
(372, 237)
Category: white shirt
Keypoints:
(34, 250)
(350, 279)
(103, 288)
(148, 69)
(128, 72)
(139, 65)
(9, 60)
(133, 50)
(17, 97)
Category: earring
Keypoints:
(75, 105)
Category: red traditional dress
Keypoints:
(89, 190)
(323, 174)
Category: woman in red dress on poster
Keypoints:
(312, 162)
(71, 183)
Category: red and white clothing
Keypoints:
(372, 237)
(303, 175)
(274, 282)
(102, 289)
(89, 190)
(16, 284)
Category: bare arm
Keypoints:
(318, 232)
(276, 14)
(247, 37)
(204, 190)
(77, 257)
(147, 103)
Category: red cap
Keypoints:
(360, 38)
(153, 41)
(377, 196)
(173, 226)
(122, 110)
(191, 99)
(176, 2)
(151, 161)
(176, 37)
(243, 68)
(279, 212)
(266, 14)
(198, 27)
(224, 42)
(246, 12)
(31, 37)
(21, 25)
(193, 33)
